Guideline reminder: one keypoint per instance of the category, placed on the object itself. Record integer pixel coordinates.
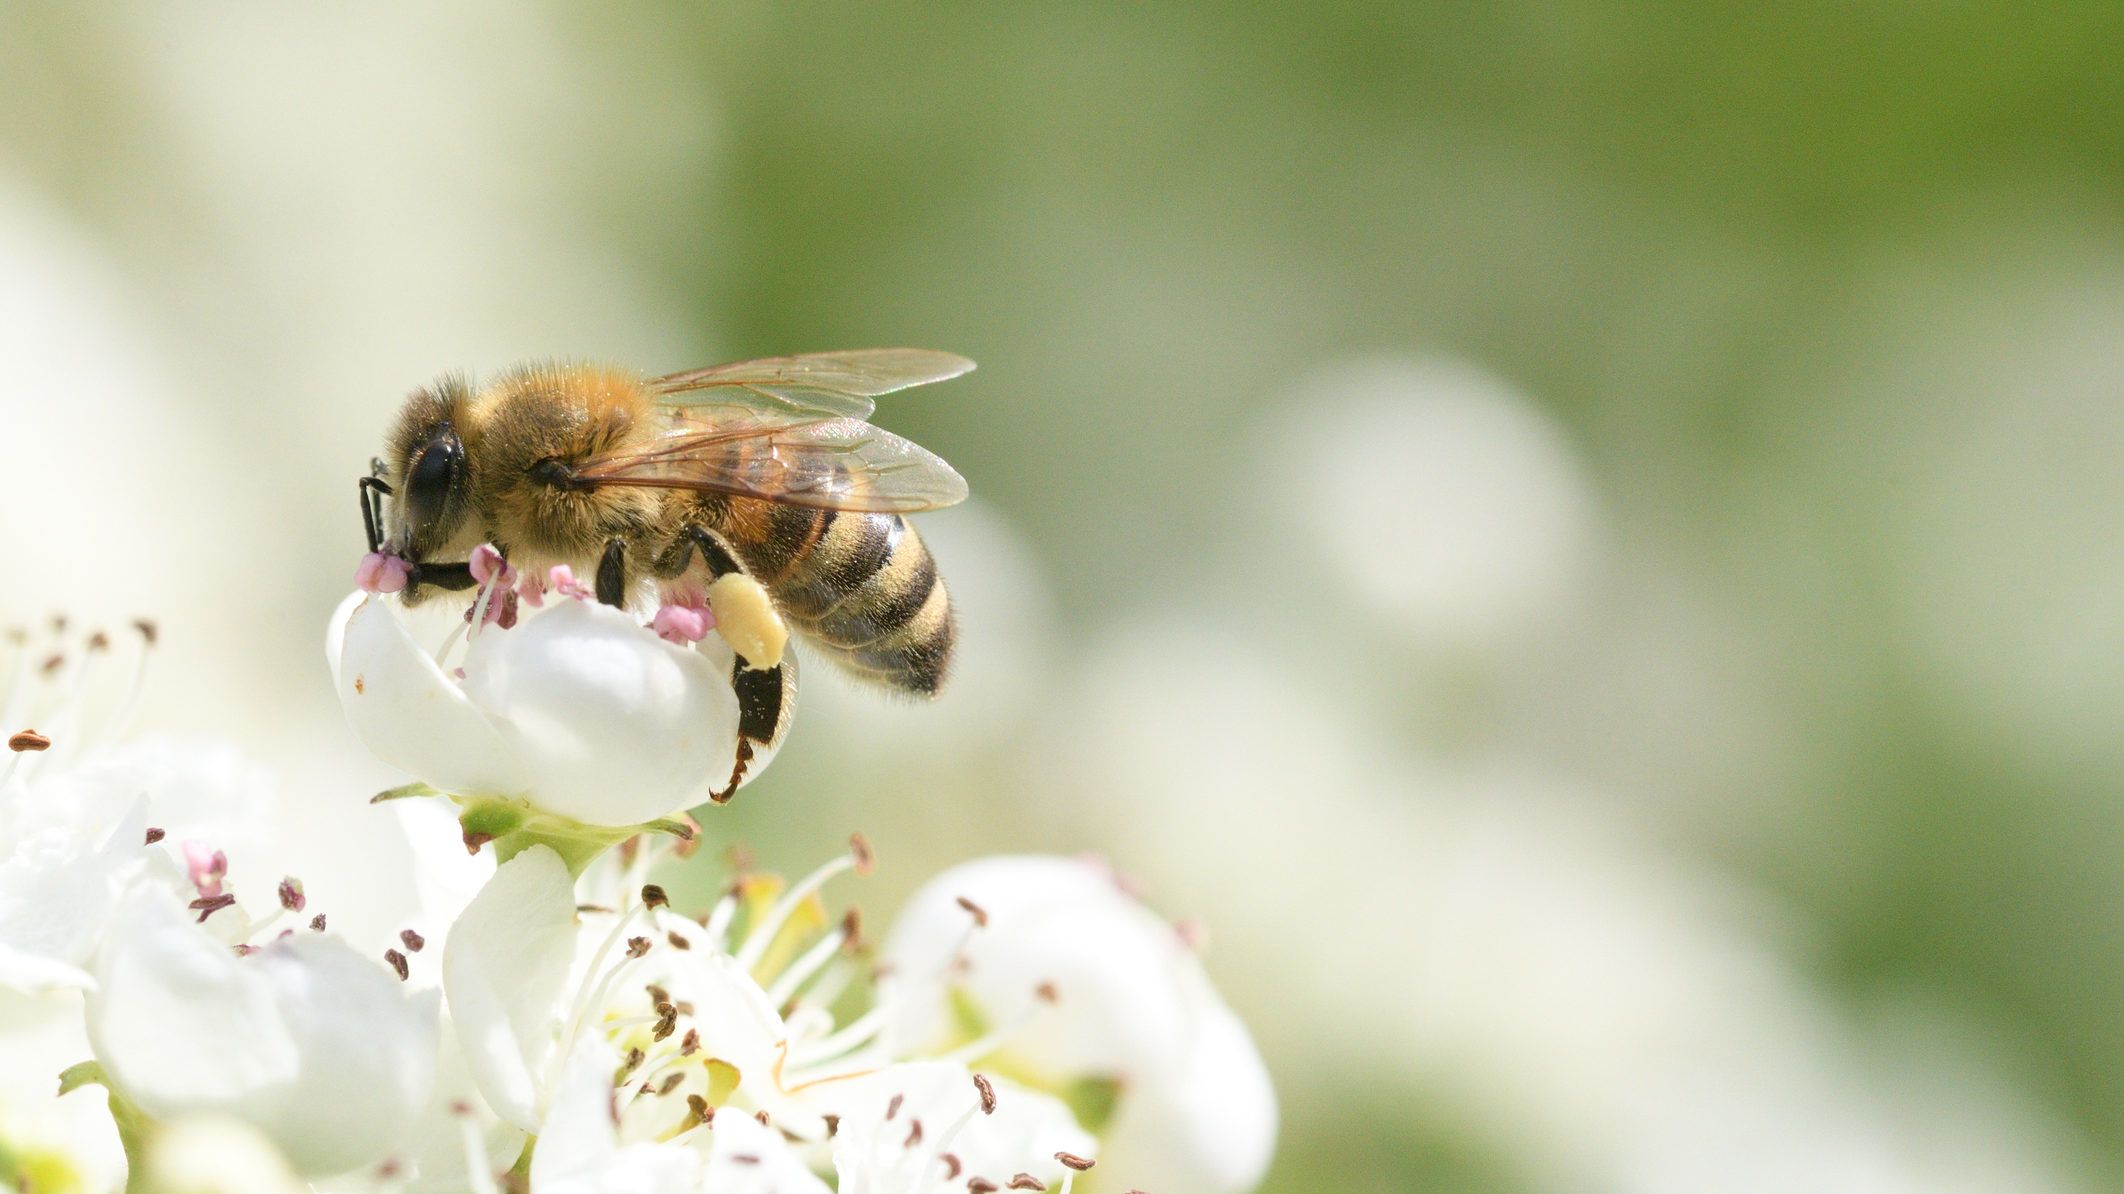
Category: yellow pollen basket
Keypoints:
(745, 616)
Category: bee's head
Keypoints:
(430, 475)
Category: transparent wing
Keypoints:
(822, 384)
(834, 464)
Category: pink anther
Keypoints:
(561, 579)
(206, 866)
(487, 563)
(682, 623)
(381, 573)
(531, 589)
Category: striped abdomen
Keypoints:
(861, 587)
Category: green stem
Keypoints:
(514, 827)
(133, 1127)
(577, 853)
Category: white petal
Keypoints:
(579, 1150)
(216, 1154)
(877, 1148)
(577, 1139)
(233, 1052)
(1127, 984)
(366, 1050)
(505, 971)
(437, 1154)
(747, 1157)
(1212, 1128)
(736, 1021)
(336, 631)
(56, 891)
(612, 724)
(1196, 1112)
(309, 1042)
(412, 716)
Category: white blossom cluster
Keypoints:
(571, 1029)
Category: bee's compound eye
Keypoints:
(431, 484)
(433, 467)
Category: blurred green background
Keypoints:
(1578, 537)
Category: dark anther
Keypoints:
(988, 1094)
(154, 835)
(979, 914)
(207, 906)
(398, 963)
(412, 939)
(291, 896)
(28, 740)
(654, 897)
(1080, 1164)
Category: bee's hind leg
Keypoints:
(745, 615)
(766, 702)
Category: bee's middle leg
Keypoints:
(612, 573)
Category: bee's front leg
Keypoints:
(373, 489)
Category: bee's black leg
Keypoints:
(612, 573)
(372, 488)
(764, 699)
(674, 560)
(716, 556)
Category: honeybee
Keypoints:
(762, 469)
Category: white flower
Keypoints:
(929, 1127)
(317, 1047)
(1131, 1011)
(691, 1028)
(528, 983)
(77, 812)
(580, 1150)
(576, 709)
